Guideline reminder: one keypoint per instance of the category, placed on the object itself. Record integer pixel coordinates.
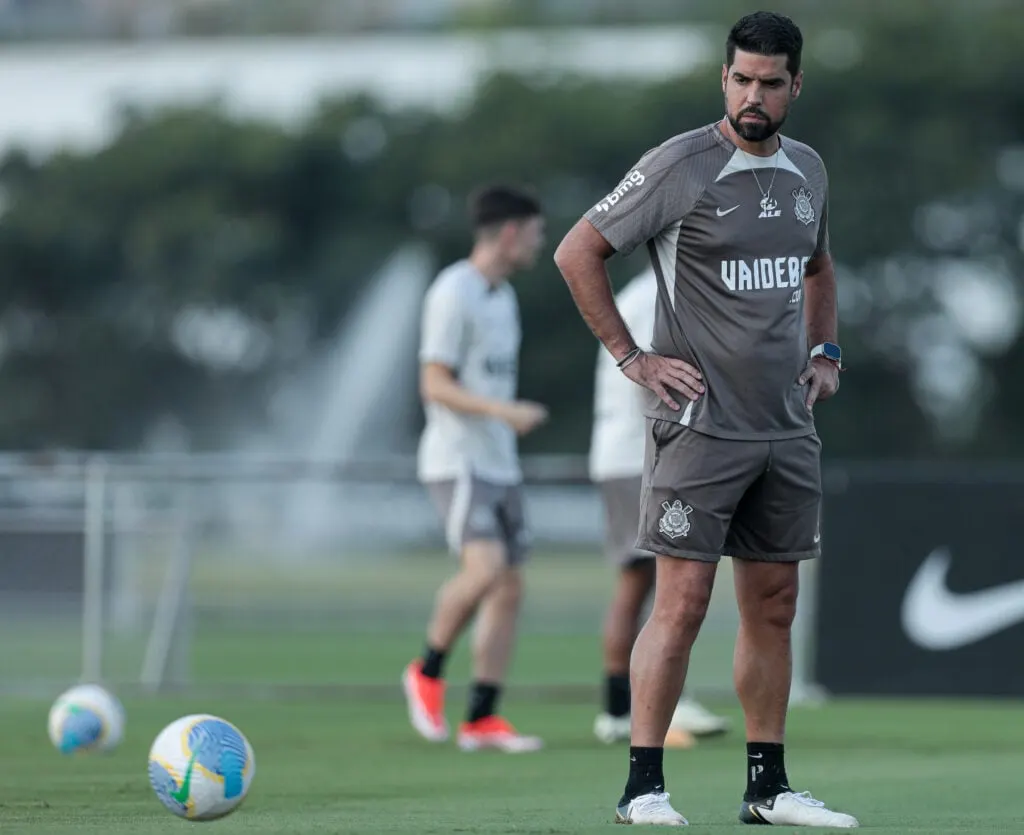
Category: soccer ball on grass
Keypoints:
(86, 718)
(201, 767)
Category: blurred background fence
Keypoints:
(205, 571)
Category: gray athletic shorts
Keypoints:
(474, 509)
(621, 499)
(703, 497)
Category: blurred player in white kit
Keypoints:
(469, 464)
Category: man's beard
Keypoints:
(756, 131)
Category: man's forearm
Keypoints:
(587, 277)
(820, 308)
(439, 388)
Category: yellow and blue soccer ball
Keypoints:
(201, 767)
(85, 719)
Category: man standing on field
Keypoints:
(735, 217)
(468, 460)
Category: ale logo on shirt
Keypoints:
(769, 207)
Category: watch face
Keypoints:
(831, 351)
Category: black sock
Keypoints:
(433, 662)
(645, 773)
(766, 770)
(616, 695)
(483, 700)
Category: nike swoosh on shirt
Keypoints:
(937, 619)
(719, 211)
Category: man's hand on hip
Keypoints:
(659, 373)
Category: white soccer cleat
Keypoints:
(690, 719)
(609, 729)
(650, 810)
(693, 717)
(794, 809)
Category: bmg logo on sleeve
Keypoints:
(633, 180)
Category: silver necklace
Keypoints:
(775, 157)
(769, 207)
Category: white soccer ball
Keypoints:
(201, 767)
(86, 718)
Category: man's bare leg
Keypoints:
(621, 626)
(659, 662)
(483, 564)
(622, 623)
(493, 640)
(766, 594)
(633, 587)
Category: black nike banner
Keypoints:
(921, 584)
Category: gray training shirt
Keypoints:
(729, 235)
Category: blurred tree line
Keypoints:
(198, 260)
(22, 20)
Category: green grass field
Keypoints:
(326, 767)
(307, 664)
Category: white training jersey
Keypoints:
(617, 442)
(471, 326)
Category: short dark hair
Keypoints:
(766, 33)
(493, 204)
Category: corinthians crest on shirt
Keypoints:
(803, 207)
(675, 522)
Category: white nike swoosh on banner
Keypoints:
(937, 619)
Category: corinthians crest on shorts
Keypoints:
(803, 207)
(676, 519)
